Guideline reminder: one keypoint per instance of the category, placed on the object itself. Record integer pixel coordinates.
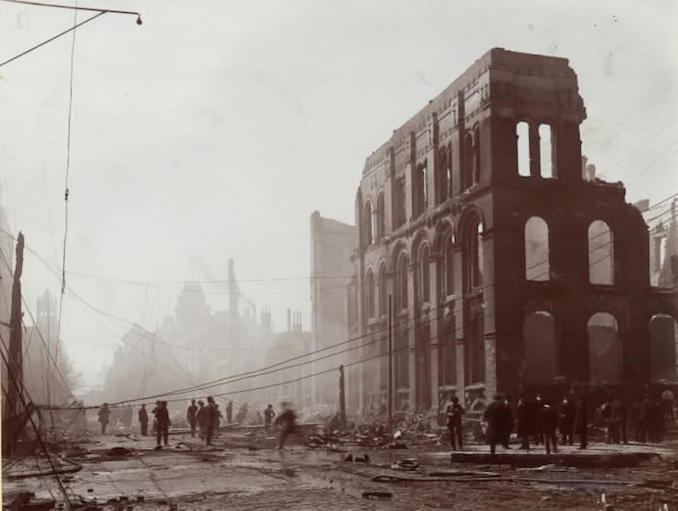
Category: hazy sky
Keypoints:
(217, 127)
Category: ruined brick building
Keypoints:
(507, 268)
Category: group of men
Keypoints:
(537, 420)
(206, 418)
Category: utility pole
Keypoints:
(390, 362)
(342, 398)
(15, 350)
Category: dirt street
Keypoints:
(246, 472)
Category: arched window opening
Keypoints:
(420, 190)
(537, 257)
(539, 348)
(369, 293)
(443, 173)
(605, 353)
(476, 155)
(546, 151)
(601, 253)
(380, 228)
(473, 254)
(663, 331)
(401, 282)
(367, 225)
(446, 267)
(423, 271)
(383, 296)
(468, 162)
(523, 141)
(399, 202)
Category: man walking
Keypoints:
(581, 421)
(143, 420)
(548, 423)
(192, 416)
(454, 414)
(201, 418)
(162, 417)
(104, 415)
(524, 422)
(269, 413)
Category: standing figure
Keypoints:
(287, 422)
(524, 423)
(229, 411)
(548, 424)
(454, 415)
(218, 419)
(566, 414)
(210, 420)
(507, 423)
(617, 421)
(201, 417)
(494, 416)
(143, 420)
(104, 415)
(155, 418)
(269, 413)
(581, 421)
(192, 416)
(644, 414)
(537, 405)
(162, 416)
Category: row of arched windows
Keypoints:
(600, 251)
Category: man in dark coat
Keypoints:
(524, 424)
(104, 414)
(210, 420)
(142, 415)
(454, 414)
(162, 416)
(494, 416)
(507, 423)
(581, 421)
(229, 411)
(192, 416)
(201, 418)
(566, 414)
(547, 419)
(537, 405)
(269, 413)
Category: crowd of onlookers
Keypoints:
(539, 421)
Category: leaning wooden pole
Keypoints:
(14, 351)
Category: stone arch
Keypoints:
(601, 267)
(540, 347)
(663, 340)
(537, 249)
(605, 348)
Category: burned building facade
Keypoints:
(506, 269)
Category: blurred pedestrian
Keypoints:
(287, 422)
(494, 416)
(668, 404)
(104, 415)
(219, 417)
(142, 415)
(537, 405)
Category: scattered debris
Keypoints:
(406, 464)
(377, 495)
